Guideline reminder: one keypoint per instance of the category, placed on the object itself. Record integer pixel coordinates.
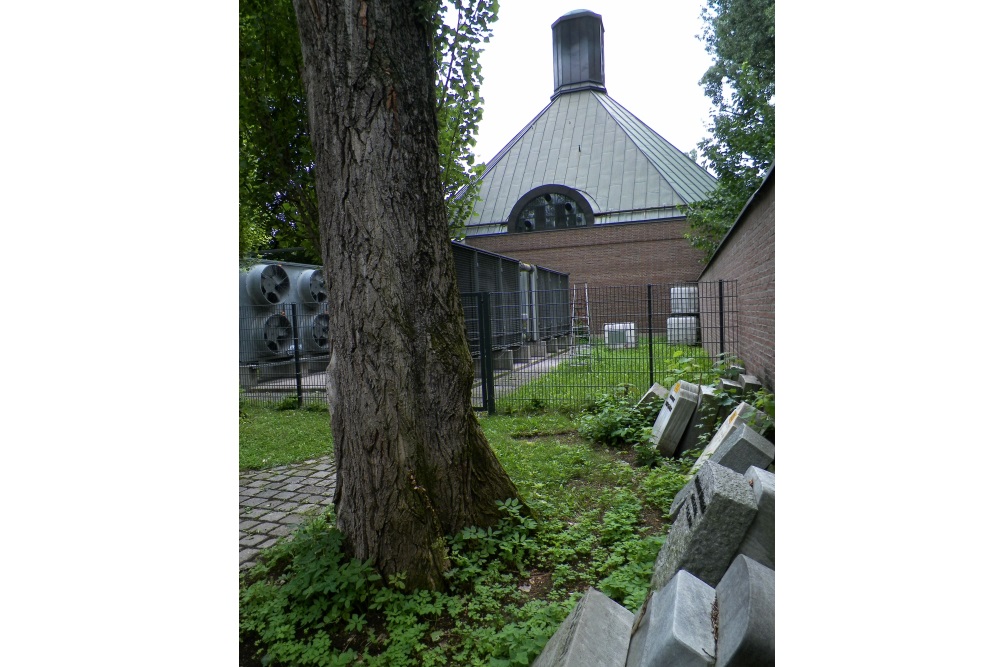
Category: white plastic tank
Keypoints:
(682, 330)
(684, 300)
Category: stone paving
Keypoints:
(274, 501)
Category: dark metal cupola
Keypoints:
(578, 52)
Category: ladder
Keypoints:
(582, 347)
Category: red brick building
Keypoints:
(587, 188)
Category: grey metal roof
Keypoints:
(587, 141)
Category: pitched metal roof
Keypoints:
(589, 142)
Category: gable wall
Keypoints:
(747, 256)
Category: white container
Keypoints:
(684, 300)
(682, 330)
(619, 335)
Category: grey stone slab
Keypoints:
(703, 420)
(749, 383)
(673, 418)
(247, 555)
(674, 627)
(255, 513)
(595, 634)
(746, 615)
(733, 372)
(551, 346)
(758, 544)
(655, 396)
(274, 516)
(743, 448)
(522, 354)
(743, 413)
(537, 348)
(252, 502)
(248, 524)
(711, 516)
(252, 540)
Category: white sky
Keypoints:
(652, 64)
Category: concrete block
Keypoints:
(595, 634)
(562, 342)
(758, 544)
(703, 420)
(743, 413)
(749, 383)
(551, 346)
(503, 360)
(538, 348)
(745, 597)
(744, 447)
(674, 627)
(731, 387)
(711, 516)
(655, 396)
(674, 417)
(733, 372)
(522, 354)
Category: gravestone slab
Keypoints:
(655, 396)
(674, 417)
(596, 634)
(749, 383)
(746, 615)
(743, 413)
(702, 421)
(758, 544)
(711, 516)
(744, 447)
(730, 387)
(674, 627)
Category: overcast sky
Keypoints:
(653, 61)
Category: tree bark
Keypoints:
(412, 462)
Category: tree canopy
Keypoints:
(277, 197)
(739, 34)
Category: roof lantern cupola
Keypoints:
(578, 52)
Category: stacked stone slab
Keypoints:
(758, 544)
(711, 515)
(674, 417)
(745, 600)
(596, 634)
(674, 627)
(703, 420)
(656, 395)
(744, 448)
(743, 414)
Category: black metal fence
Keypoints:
(549, 348)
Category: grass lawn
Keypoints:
(600, 522)
(270, 437)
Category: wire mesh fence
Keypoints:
(532, 349)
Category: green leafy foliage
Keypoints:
(617, 421)
(278, 205)
(739, 34)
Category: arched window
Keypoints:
(550, 207)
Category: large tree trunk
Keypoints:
(412, 462)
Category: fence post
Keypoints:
(298, 360)
(649, 328)
(722, 319)
(486, 350)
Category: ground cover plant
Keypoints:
(597, 521)
(599, 496)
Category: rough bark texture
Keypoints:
(412, 462)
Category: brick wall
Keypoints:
(747, 256)
(621, 254)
